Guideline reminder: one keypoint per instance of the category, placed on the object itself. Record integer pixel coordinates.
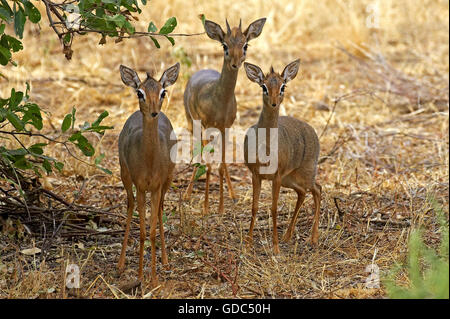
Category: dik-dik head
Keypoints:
(234, 41)
(272, 84)
(151, 92)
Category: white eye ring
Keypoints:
(282, 89)
(265, 90)
(142, 94)
(162, 93)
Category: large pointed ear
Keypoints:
(129, 77)
(170, 75)
(214, 31)
(290, 71)
(254, 73)
(254, 29)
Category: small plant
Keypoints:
(427, 269)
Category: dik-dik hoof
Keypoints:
(276, 250)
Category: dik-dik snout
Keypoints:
(272, 84)
(151, 92)
(234, 41)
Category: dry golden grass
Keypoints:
(388, 153)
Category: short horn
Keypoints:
(228, 27)
(240, 24)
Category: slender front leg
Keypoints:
(156, 199)
(206, 201)
(141, 209)
(161, 229)
(276, 184)
(221, 173)
(256, 185)
(130, 207)
(288, 235)
(317, 192)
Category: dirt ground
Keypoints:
(377, 97)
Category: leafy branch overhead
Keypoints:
(68, 18)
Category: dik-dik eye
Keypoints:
(140, 94)
(282, 89)
(265, 91)
(225, 48)
(245, 48)
(162, 94)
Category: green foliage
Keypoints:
(24, 116)
(428, 270)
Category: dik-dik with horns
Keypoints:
(209, 95)
(298, 151)
(144, 156)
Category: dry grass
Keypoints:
(387, 144)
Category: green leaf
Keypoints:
(32, 12)
(67, 38)
(46, 165)
(171, 40)
(32, 115)
(200, 171)
(168, 27)
(67, 122)
(2, 26)
(144, 2)
(14, 44)
(99, 158)
(19, 21)
(152, 27)
(107, 171)
(4, 15)
(37, 148)
(73, 116)
(100, 118)
(15, 121)
(5, 55)
(59, 166)
(15, 99)
(155, 42)
(203, 18)
(22, 163)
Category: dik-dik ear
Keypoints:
(129, 77)
(290, 71)
(254, 29)
(170, 75)
(254, 73)
(214, 31)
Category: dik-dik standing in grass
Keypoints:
(298, 151)
(209, 95)
(144, 155)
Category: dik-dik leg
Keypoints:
(155, 205)
(256, 185)
(276, 185)
(130, 207)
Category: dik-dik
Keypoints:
(209, 95)
(144, 155)
(298, 151)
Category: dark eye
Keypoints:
(282, 89)
(265, 91)
(225, 48)
(245, 47)
(140, 95)
(163, 94)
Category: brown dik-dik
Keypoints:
(209, 95)
(144, 155)
(298, 151)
